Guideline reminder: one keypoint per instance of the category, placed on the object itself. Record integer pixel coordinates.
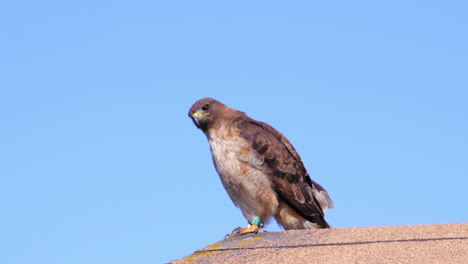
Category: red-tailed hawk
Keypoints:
(260, 169)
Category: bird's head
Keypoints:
(204, 111)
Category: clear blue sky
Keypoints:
(99, 162)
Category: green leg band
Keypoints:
(257, 221)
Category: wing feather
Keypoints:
(288, 175)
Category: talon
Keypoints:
(253, 227)
(234, 232)
(242, 231)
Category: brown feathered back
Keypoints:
(289, 176)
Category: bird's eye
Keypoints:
(205, 107)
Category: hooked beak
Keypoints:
(197, 116)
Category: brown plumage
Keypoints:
(260, 169)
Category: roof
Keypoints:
(438, 243)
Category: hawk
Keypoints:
(260, 169)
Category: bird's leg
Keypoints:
(253, 227)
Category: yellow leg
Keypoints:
(242, 231)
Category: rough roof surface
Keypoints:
(440, 243)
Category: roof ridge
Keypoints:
(436, 243)
(333, 244)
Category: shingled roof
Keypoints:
(439, 243)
